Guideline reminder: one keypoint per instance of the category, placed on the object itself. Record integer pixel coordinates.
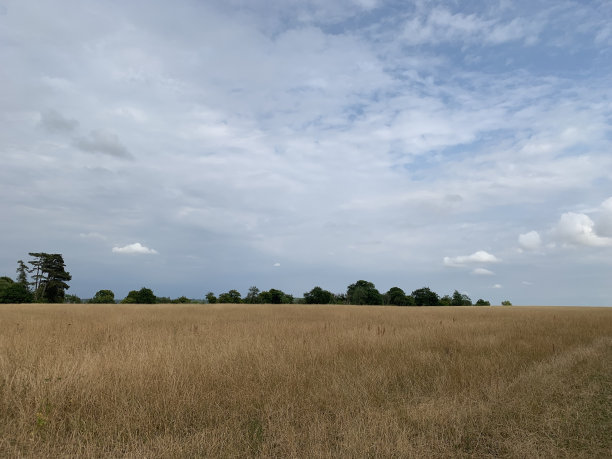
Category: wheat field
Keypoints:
(304, 381)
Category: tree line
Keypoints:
(45, 280)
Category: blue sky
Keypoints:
(196, 146)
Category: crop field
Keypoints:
(304, 381)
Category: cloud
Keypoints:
(477, 257)
(603, 223)
(442, 25)
(483, 272)
(579, 229)
(276, 264)
(530, 240)
(54, 121)
(104, 142)
(496, 286)
(135, 248)
(93, 235)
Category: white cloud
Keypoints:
(530, 240)
(496, 286)
(477, 257)
(135, 248)
(276, 265)
(603, 223)
(92, 235)
(483, 272)
(578, 229)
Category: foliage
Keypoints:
(181, 300)
(397, 297)
(233, 296)
(73, 299)
(103, 297)
(14, 292)
(482, 302)
(274, 296)
(363, 292)
(446, 300)
(22, 274)
(318, 296)
(211, 298)
(253, 296)
(49, 277)
(506, 303)
(340, 298)
(425, 297)
(142, 296)
(460, 299)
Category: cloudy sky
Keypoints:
(196, 146)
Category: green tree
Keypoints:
(425, 297)
(211, 298)
(142, 296)
(446, 300)
(73, 299)
(340, 298)
(506, 303)
(181, 300)
(396, 297)
(49, 277)
(318, 296)
(103, 297)
(22, 274)
(460, 299)
(14, 292)
(253, 296)
(363, 292)
(482, 302)
(233, 296)
(275, 296)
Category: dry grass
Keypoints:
(304, 381)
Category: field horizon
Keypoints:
(293, 380)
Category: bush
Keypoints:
(103, 297)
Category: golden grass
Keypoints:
(304, 381)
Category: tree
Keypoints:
(211, 298)
(13, 292)
(233, 296)
(460, 299)
(363, 292)
(253, 296)
(506, 303)
(72, 299)
(274, 296)
(49, 277)
(103, 297)
(318, 296)
(396, 297)
(446, 300)
(482, 302)
(22, 274)
(181, 300)
(425, 297)
(142, 296)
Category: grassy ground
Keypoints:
(304, 381)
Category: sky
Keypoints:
(194, 146)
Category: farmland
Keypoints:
(296, 381)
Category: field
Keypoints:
(304, 381)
